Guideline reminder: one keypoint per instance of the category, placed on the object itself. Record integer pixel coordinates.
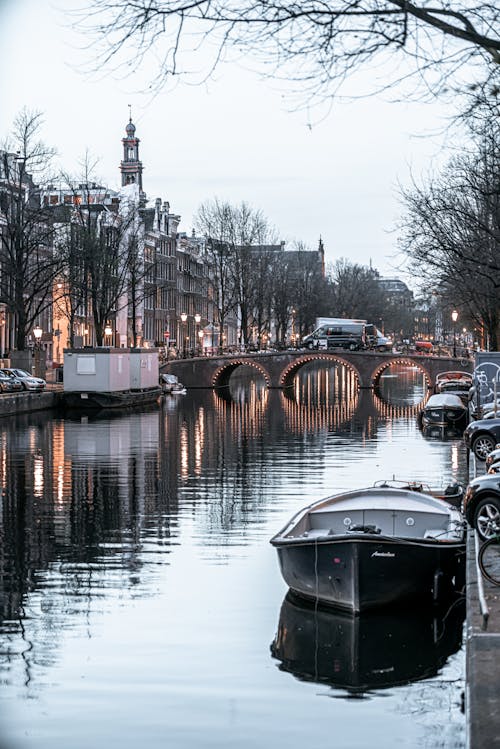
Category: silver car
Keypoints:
(28, 380)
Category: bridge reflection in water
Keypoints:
(322, 397)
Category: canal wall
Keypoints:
(27, 402)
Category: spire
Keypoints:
(131, 166)
(321, 253)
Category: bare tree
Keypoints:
(101, 254)
(451, 231)
(354, 292)
(317, 44)
(214, 220)
(28, 264)
(307, 287)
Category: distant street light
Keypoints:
(184, 318)
(108, 330)
(454, 317)
(197, 319)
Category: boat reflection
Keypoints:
(376, 650)
(441, 432)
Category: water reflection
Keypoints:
(376, 650)
(441, 432)
(147, 534)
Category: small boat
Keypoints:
(446, 409)
(373, 547)
(455, 382)
(170, 384)
(375, 650)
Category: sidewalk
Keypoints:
(482, 656)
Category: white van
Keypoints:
(350, 336)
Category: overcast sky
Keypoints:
(235, 138)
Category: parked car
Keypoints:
(29, 382)
(482, 436)
(9, 384)
(481, 505)
(493, 456)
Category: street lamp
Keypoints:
(197, 319)
(38, 332)
(184, 318)
(200, 339)
(108, 330)
(454, 317)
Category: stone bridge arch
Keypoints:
(405, 361)
(289, 372)
(222, 374)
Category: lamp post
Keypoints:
(108, 332)
(200, 341)
(454, 317)
(184, 318)
(197, 319)
(38, 332)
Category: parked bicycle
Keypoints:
(489, 559)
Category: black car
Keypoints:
(9, 384)
(482, 436)
(481, 504)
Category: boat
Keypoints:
(170, 385)
(379, 649)
(115, 399)
(373, 547)
(444, 409)
(456, 382)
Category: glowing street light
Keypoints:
(184, 318)
(454, 317)
(37, 332)
(197, 319)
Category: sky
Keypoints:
(333, 175)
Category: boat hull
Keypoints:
(361, 573)
(125, 399)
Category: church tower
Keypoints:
(131, 166)
(321, 254)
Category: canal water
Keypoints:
(141, 601)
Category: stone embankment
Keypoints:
(27, 402)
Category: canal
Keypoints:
(141, 601)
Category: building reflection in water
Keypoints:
(375, 650)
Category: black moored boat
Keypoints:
(373, 547)
(445, 409)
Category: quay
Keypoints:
(482, 652)
(24, 402)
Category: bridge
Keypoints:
(278, 368)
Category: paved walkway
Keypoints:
(482, 656)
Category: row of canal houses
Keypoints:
(175, 310)
(173, 305)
